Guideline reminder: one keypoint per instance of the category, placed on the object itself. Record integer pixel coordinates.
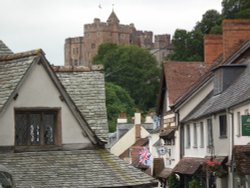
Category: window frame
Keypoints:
(41, 145)
(223, 126)
(195, 143)
(201, 134)
(210, 140)
(188, 136)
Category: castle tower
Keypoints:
(80, 51)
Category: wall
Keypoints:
(238, 138)
(195, 99)
(126, 141)
(33, 94)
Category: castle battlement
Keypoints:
(79, 51)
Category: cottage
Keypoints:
(53, 126)
(214, 142)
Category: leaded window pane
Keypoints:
(49, 122)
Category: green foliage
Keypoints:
(132, 68)
(235, 9)
(194, 183)
(117, 100)
(210, 19)
(187, 46)
(173, 182)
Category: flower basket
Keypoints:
(215, 168)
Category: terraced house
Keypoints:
(53, 127)
(213, 116)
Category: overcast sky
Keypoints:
(32, 24)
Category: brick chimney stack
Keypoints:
(235, 32)
(122, 118)
(137, 126)
(213, 47)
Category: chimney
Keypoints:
(213, 47)
(235, 32)
(122, 118)
(137, 126)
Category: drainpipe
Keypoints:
(231, 158)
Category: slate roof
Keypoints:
(242, 159)
(4, 50)
(236, 93)
(78, 168)
(113, 18)
(86, 89)
(12, 70)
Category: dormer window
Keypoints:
(225, 75)
(36, 127)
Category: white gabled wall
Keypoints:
(187, 107)
(126, 141)
(38, 91)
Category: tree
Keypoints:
(210, 19)
(234, 9)
(132, 68)
(188, 46)
(117, 100)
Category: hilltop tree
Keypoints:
(132, 68)
(117, 100)
(234, 9)
(188, 46)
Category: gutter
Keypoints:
(231, 158)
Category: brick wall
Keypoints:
(235, 32)
(213, 47)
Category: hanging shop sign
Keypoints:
(245, 122)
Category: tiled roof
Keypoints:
(12, 69)
(188, 165)
(4, 50)
(237, 92)
(168, 132)
(86, 89)
(242, 159)
(78, 168)
(180, 76)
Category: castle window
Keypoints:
(36, 127)
(93, 45)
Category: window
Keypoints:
(246, 112)
(210, 143)
(223, 126)
(188, 136)
(201, 135)
(93, 45)
(195, 136)
(36, 127)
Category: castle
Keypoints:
(79, 51)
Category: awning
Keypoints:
(242, 159)
(188, 165)
(167, 133)
(159, 170)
